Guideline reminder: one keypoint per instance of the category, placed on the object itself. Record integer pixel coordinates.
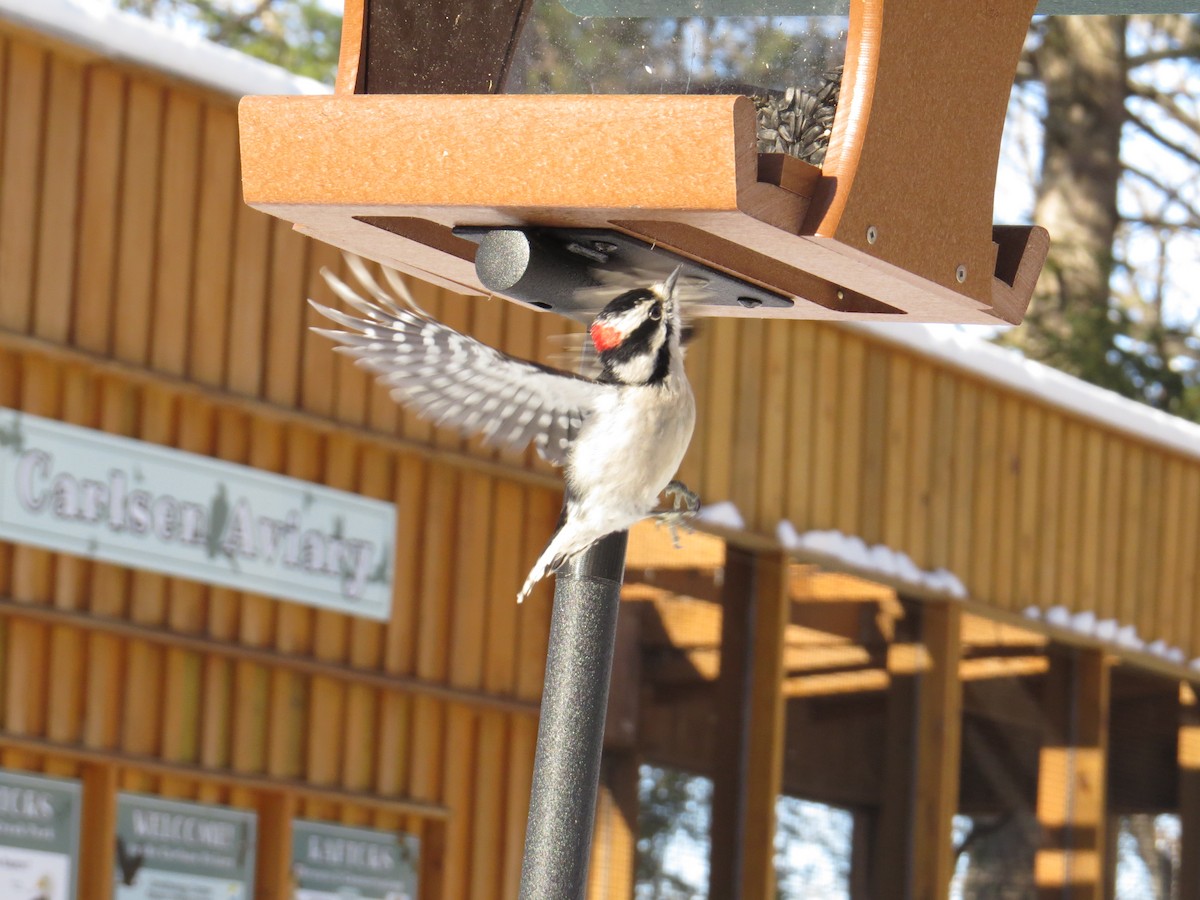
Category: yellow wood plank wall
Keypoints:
(122, 234)
(174, 681)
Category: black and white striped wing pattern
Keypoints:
(456, 381)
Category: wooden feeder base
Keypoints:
(389, 176)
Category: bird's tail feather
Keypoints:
(547, 563)
(563, 544)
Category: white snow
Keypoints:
(1084, 622)
(1059, 616)
(97, 26)
(1128, 638)
(877, 558)
(725, 514)
(1108, 631)
(786, 534)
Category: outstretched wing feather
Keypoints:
(456, 381)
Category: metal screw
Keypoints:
(961, 273)
(872, 234)
(841, 295)
(750, 302)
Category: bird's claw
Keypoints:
(685, 498)
(685, 503)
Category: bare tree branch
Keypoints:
(1170, 193)
(1174, 146)
(1168, 103)
(1188, 51)
(1160, 224)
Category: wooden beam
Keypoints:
(1072, 777)
(733, 694)
(99, 834)
(860, 854)
(1189, 793)
(273, 878)
(912, 856)
(767, 724)
(614, 838)
(652, 547)
(99, 761)
(939, 747)
(624, 689)
(748, 769)
(241, 653)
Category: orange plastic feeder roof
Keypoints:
(419, 142)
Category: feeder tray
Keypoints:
(416, 157)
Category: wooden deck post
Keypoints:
(614, 838)
(612, 873)
(939, 750)
(273, 878)
(1189, 793)
(98, 836)
(1072, 773)
(913, 856)
(750, 717)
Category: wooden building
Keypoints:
(140, 298)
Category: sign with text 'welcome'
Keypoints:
(167, 850)
(136, 504)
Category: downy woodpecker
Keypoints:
(620, 437)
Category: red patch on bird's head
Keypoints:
(605, 337)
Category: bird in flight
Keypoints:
(619, 437)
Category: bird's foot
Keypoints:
(686, 501)
(684, 506)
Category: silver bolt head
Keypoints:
(961, 274)
(872, 234)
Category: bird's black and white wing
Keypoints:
(454, 380)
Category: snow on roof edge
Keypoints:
(1009, 369)
(127, 37)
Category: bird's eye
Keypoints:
(656, 312)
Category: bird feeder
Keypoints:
(423, 160)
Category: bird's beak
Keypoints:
(668, 287)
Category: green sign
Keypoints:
(137, 504)
(39, 837)
(333, 862)
(168, 850)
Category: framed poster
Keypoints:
(335, 862)
(132, 503)
(167, 850)
(39, 837)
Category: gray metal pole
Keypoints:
(566, 769)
